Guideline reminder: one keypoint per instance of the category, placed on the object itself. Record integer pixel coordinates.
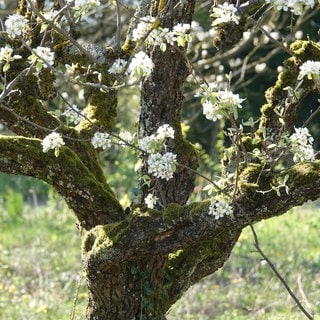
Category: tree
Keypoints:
(139, 260)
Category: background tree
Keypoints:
(140, 259)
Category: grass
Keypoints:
(40, 269)
(39, 263)
(246, 288)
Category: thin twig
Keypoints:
(75, 300)
(268, 35)
(276, 272)
(119, 25)
(59, 30)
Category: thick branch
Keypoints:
(22, 110)
(280, 112)
(189, 266)
(92, 201)
(161, 101)
(152, 233)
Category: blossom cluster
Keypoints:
(295, 6)
(140, 65)
(162, 165)
(301, 145)
(153, 143)
(101, 140)
(225, 13)
(159, 165)
(73, 114)
(217, 104)
(220, 208)
(82, 7)
(52, 141)
(16, 25)
(118, 66)
(6, 57)
(178, 35)
(160, 36)
(42, 57)
(310, 69)
(143, 28)
(150, 200)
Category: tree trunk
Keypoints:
(139, 261)
(130, 290)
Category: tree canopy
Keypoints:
(195, 66)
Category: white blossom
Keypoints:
(217, 104)
(143, 27)
(219, 209)
(179, 35)
(6, 57)
(162, 166)
(310, 69)
(73, 114)
(82, 7)
(162, 36)
(52, 141)
(101, 140)
(125, 138)
(16, 25)
(40, 55)
(148, 143)
(301, 145)
(165, 131)
(118, 66)
(141, 65)
(295, 6)
(211, 111)
(153, 142)
(181, 28)
(225, 13)
(150, 200)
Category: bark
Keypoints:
(161, 101)
(138, 262)
(190, 242)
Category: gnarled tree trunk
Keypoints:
(139, 261)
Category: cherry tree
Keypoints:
(139, 260)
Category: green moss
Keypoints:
(306, 50)
(174, 212)
(128, 48)
(250, 178)
(115, 231)
(46, 87)
(101, 238)
(250, 143)
(88, 241)
(276, 95)
(287, 77)
(305, 173)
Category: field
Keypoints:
(40, 269)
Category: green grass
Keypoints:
(246, 288)
(40, 263)
(40, 269)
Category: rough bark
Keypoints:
(138, 262)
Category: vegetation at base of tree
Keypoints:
(35, 285)
(146, 237)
